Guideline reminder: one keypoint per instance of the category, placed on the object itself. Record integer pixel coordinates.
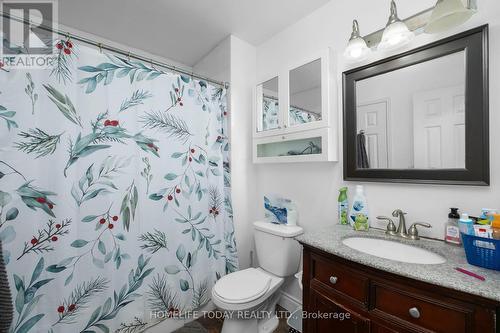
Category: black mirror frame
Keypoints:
(477, 165)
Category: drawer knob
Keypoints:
(414, 313)
(333, 279)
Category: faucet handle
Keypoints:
(413, 232)
(391, 227)
(398, 212)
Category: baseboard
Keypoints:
(289, 302)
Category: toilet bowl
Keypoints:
(249, 297)
(248, 300)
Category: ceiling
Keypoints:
(183, 30)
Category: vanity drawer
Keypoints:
(418, 311)
(340, 280)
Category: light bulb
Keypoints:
(356, 49)
(447, 14)
(396, 33)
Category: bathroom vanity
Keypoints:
(383, 295)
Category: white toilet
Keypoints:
(248, 297)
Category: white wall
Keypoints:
(234, 60)
(243, 176)
(315, 186)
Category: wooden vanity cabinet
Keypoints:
(380, 302)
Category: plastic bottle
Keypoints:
(451, 230)
(465, 224)
(358, 213)
(495, 226)
(343, 206)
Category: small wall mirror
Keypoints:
(305, 94)
(421, 116)
(269, 118)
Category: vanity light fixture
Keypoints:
(356, 48)
(448, 14)
(396, 33)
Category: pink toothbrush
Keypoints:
(479, 277)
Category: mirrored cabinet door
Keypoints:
(305, 93)
(268, 108)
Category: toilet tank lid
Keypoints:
(281, 230)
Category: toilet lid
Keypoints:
(242, 286)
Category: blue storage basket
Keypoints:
(483, 252)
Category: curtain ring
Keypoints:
(128, 55)
(68, 36)
(151, 63)
(99, 45)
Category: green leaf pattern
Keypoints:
(111, 172)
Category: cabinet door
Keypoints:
(308, 93)
(326, 316)
(268, 118)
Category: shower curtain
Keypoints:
(115, 206)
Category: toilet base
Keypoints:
(238, 325)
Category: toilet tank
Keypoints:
(277, 250)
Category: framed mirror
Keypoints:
(268, 108)
(421, 116)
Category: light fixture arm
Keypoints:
(472, 5)
(355, 30)
(394, 14)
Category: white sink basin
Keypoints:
(393, 250)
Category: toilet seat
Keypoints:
(242, 286)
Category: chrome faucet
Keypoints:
(401, 231)
(412, 232)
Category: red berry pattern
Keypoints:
(34, 241)
(115, 218)
(41, 200)
(60, 309)
(54, 238)
(102, 221)
(111, 226)
(71, 307)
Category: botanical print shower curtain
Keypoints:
(114, 192)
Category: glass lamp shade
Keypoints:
(447, 14)
(395, 35)
(357, 49)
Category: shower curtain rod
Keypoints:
(128, 54)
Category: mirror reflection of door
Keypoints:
(414, 117)
(372, 124)
(439, 128)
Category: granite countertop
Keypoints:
(329, 239)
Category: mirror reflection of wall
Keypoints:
(305, 93)
(413, 117)
(270, 105)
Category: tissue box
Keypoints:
(280, 210)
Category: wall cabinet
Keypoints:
(292, 117)
(381, 302)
